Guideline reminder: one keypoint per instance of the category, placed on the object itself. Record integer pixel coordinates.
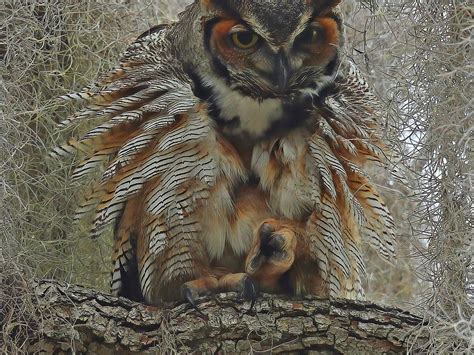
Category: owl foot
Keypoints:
(272, 254)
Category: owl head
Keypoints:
(271, 48)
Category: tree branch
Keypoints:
(79, 319)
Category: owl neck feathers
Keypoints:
(253, 119)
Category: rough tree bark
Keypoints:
(76, 319)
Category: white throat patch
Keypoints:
(256, 117)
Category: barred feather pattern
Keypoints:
(161, 159)
(320, 172)
(351, 118)
(169, 178)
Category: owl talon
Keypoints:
(189, 296)
(249, 290)
(241, 283)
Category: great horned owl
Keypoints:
(232, 144)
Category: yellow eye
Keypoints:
(244, 39)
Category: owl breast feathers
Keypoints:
(232, 144)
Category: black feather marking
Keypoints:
(129, 278)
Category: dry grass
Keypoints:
(47, 49)
(417, 54)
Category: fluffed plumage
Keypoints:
(222, 165)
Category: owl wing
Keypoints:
(159, 157)
(349, 207)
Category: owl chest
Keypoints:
(282, 169)
(278, 183)
(285, 173)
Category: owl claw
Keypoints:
(188, 296)
(249, 290)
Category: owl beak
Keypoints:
(281, 72)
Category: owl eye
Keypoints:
(244, 39)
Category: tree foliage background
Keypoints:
(417, 55)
